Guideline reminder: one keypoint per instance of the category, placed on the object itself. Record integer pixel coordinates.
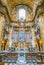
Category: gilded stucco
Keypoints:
(10, 5)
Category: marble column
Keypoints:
(2, 23)
(33, 37)
(41, 24)
(10, 36)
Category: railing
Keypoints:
(35, 58)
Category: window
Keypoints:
(22, 14)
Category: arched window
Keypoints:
(22, 14)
